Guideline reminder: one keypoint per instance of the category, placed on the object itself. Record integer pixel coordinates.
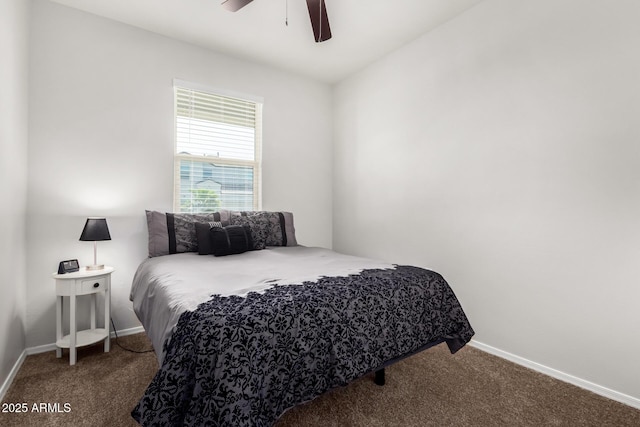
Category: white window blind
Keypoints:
(218, 152)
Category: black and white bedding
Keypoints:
(243, 338)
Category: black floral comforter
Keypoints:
(243, 361)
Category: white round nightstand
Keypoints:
(83, 282)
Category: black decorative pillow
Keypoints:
(203, 236)
(230, 240)
(268, 228)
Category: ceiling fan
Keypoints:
(317, 13)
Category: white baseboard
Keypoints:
(14, 371)
(49, 347)
(130, 331)
(587, 385)
(40, 349)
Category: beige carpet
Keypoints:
(433, 388)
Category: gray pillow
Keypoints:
(172, 233)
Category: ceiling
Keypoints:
(363, 30)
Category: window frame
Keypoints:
(255, 164)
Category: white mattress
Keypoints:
(165, 287)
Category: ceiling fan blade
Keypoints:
(319, 20)
(235, 5)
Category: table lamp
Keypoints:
(95, 229)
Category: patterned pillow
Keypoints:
(171, 233)
(258, 225)
(272, 228)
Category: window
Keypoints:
(217, 151)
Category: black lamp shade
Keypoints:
(95, 229)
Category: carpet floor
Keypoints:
(433, 388)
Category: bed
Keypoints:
(242, 338)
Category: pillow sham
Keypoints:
(272, 228)
(257, 225)
(172, 233)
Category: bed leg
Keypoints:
(379, 377)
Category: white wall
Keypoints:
(14, 32)
(503, 151)
(101, 143)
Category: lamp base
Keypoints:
(95, 267)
